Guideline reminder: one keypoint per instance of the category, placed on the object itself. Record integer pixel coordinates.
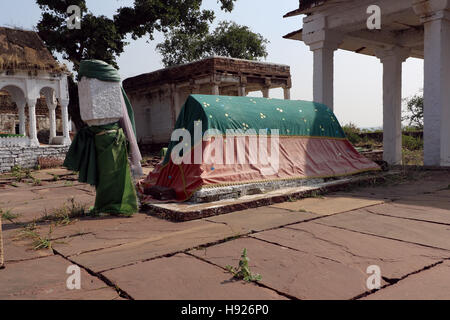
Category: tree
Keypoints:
(229, 39)
(414, 111)
(104, 38)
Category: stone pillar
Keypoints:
(436, 18)
(32, 134)
(392, 102)
(323, 77)
(242, 90)
(287, 93)
(52, 118)
(215, 88)
(265, 92)
(322, 42)
(65, 121)
(22, 117)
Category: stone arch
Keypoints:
(18, 97)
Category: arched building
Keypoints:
(27, 72)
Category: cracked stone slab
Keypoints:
(154, 246)
(45, 279)
(424, 233)
(263, 218)
(328, 205)
(297, 274)
(428, 211)
(16, 249)
(183, 277)
(431, 284)
(114, 231)
(395, 258)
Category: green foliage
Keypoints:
(105, 38)
(352, 132)
(412, 143)
(414, 111)
(8, 215)
(243, 270)
(10, 135)
(229, 40)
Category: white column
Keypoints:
(22, 117)
(52, 118)
(34, 142)
(323, 76)
(392, 102)
(65, 121)
(287, 93)
(436, 19)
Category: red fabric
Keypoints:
(299, 158)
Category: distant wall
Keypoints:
(28, 157)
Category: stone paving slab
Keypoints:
(45, 278)
(328, 205)
(263, 218)
(395, 258)
(187, 278)
(424, 233)
(37, 206)
(431, 213)
(16, 249)
(113, 232)
(297, 274)
(431, 284)
(153, 246)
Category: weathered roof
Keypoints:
(25, 50)
(303, 6)
(207, 66)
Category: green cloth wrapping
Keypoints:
(99, 153)
(102, 71)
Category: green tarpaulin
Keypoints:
(290, 117)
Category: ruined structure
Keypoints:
(409, 28)
(28, 72)
(157, 97)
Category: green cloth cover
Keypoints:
(290, 117)
(102, 161)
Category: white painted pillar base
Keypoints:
(392, 103)
(65, 122)
(34, 142)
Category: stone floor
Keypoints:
(315, 248)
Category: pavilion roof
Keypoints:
(25, 50)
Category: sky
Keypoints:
(358, 78)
